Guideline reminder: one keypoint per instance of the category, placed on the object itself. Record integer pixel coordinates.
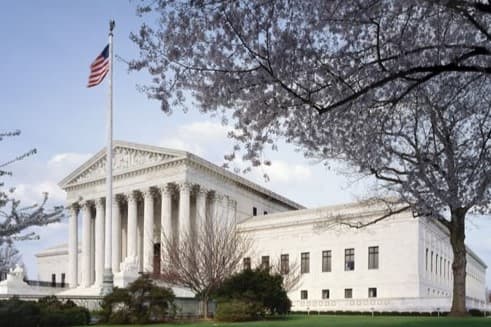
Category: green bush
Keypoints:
(64, 317)
(264, 290)
(47, 312)
(236, 310)
(142, 302)
(17, 313)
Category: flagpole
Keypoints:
(107, 285)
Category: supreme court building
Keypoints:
(402, 263)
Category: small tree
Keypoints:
(201, 260)
(289, 271)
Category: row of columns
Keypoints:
(222, 206)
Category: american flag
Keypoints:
(99, 68)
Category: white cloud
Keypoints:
(67, 161)
(44, 177)
(33, 193)
(204, 138)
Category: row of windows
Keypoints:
(53, 280)
(349, 261)
(348, 293)
(437, 265)
(254, 211)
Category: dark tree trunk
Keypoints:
(457, 240)
(205, 307)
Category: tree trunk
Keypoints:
(205, 307)
(457, 240)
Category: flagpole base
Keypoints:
(107, 282)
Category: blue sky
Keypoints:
(47, 47)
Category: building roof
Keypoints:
(362, 209)
(147, 156)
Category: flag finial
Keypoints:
(111, 25)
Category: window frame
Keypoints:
(265, 262)
(305, 262)
(327, 261)
(304, 294)
(284, 264)
(349, 265)
(373, 257)
(246, 263)
(373, 289)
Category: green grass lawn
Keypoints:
(346, 321)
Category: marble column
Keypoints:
(220, 207)
(124, 235)
(165, 216)
(139, 235)
(132, 230)
(116, 237)
(184, 208)
(86, 217)
(148, 231)
(225, 209)
(99, 241)
(92, 249)
(232, 210)
(73, 247)
(201, 208)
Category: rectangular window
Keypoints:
(304, 295)
(285, 264)
(246, 263)
(348, 293)
(373, 257)
(326, 261)
(62, 279)
(325, 294)
(431, 262)
(254, 211)
(441, 266)
(53, 280)
(349, 259)
(265, 213)
(305, 262)
(372, 292)
(265, 262)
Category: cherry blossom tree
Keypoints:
(9, 257)
(397, 89)
(15, 218)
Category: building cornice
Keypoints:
(181, 158)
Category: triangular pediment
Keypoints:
(126, 157)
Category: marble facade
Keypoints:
(158, 193)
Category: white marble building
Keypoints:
(157, 192)
(396, 264)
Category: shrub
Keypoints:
(476, 313)
(64, 317)
(236, 310)
(17, 313)
(258, 287)
(142, 302)
(47, 312)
